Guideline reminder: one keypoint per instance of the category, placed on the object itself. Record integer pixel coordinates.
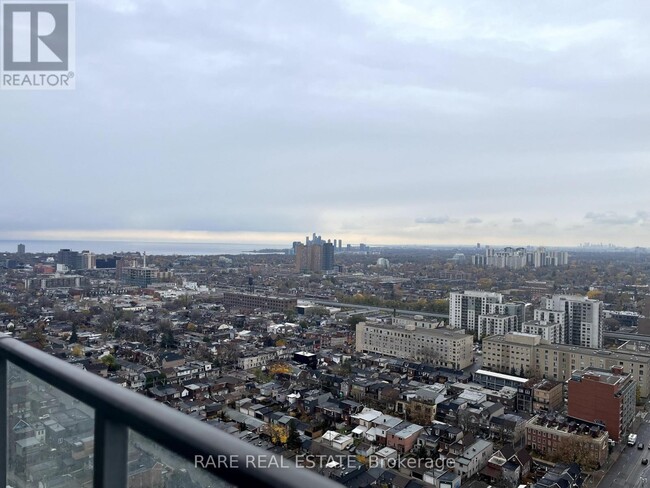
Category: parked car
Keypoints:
(644, 461)
(640, 446)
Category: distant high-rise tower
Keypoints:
(466, 308)
(340, 244)
(88, 260)
(314, 255)
(327, 257)
(21, 249)
(72, 259)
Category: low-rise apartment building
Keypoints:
(540, 396)
(515, 351)
(449, 348)
(546, 434)
(251, 301)
(512, 352)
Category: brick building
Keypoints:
(598, 395)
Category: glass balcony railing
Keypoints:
(65, 427)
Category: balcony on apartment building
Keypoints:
(63, 426)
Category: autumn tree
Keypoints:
(280, 368)
(576, 450)
(278, 434)
(110, 361)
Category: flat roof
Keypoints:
(440, 331)
(501, 376)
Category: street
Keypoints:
(627, 471)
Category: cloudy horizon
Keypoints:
(396, 122)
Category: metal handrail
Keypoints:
(118, 409)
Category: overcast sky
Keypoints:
(377, 121)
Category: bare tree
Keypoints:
(428, 355)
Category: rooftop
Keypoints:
(600, 375)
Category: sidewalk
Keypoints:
(596, 477)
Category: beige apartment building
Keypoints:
(510, 352)
(449, 348)
(517, 350)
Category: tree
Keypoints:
(485, 283)
(110, 361)
(353, 320)
(36, 334)
(578, 450)
(595, 294)
(428, 355)
(421, 453)
(345, 369)
(280, 368)
(293, 439)
(317, 312)
(289, 315)
(74, 338)
(420, 414)
(278, 434)
(167, 340)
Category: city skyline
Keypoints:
(406, 122)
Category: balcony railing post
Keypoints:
(111, 453)
(4, 424)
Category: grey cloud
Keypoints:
(195, 114)
(435, 220)
(613, 218)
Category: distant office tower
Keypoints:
(21, 249)
(106, 263)
(314, 256)
(582, 317)
(88, 260)
(340, 244)
(71, 259)
(327, 259)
